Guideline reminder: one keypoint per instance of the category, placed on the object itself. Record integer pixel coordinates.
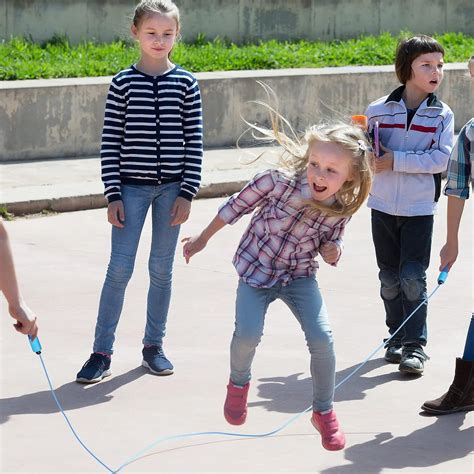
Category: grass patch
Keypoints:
(23, 59)
(7, 216)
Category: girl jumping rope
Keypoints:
(297, 214)
(151, 156)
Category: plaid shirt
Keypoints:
(460, 169)
(282, 240)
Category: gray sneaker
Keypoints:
(413, 359)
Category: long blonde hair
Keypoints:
(295, 155)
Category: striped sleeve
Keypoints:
(112, 135)
(193, 135)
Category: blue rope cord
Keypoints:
(223, 433)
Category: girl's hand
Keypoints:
(192, 245)
(330, 252)
(180, 211)
(26, 320)
(116, 213)
(385, 162)
(448, 255)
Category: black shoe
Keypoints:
(413, 359)
(154, 359)
(393, 354)
(95, 369)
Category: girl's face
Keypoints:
(329, 167)
(156, 34)
(427, 72)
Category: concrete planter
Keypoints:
(61, 118)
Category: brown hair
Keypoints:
(149, 7)
(409, 49)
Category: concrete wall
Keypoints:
(239, 20)
(59, 118)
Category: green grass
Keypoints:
(22, 59)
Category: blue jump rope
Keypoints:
(36, 347)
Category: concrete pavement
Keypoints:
(61, 261)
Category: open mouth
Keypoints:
(434, 82)
(319, 189)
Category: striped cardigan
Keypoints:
(152, 132)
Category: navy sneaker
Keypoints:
(154, 359)
(95, 369)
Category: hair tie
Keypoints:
(362, 145)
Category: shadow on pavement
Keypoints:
(431, 445)
(292, 395)
(71, 396)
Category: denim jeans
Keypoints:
(304, 299)
(137, 200)
(402, 247)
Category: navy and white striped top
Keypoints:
(152, 131)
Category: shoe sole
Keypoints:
(107, 373)
(327, 447)
(235, 421)
(163, 372)
(410, 370)
(433, 411)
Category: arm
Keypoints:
(457, 190)
(433, 160)
(193, 245)
(192, 123)
(112, 135)
(449, 252)
(331, 249)
(243, 202)
(26, 320)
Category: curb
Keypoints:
(97, 201)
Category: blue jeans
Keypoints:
(304, 299)
(402, 247)
(137, 200)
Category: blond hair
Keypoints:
(295, 156)
(149, 7)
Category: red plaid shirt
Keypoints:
(282, 240)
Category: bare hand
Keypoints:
(448, 255)
(26, 320)
(192, 245)
(180, 211)
(385, 162)
(330, 252)
(116, 214)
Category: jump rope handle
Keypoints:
(35, 345)
(443, 275)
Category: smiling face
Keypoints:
(426, 73)
(329, 167)
(156, 34)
